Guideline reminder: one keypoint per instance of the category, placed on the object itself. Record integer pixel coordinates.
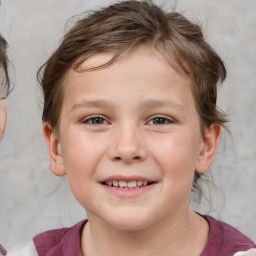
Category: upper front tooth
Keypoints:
(139, 183)
(122, 183)
(132, 184)
(115, 183)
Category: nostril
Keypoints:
(118, 158)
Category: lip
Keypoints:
(124, 192)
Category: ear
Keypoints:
(54, 149)
(209, 149)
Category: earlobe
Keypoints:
(209, 149)
(54, 149)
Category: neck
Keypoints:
(187, 236)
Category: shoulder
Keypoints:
(226, 239)
(64, 241)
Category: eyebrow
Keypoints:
(148, 103)
(162, 103)
(91, 103)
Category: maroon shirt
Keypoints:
(224, 240)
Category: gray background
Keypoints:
(33, 200)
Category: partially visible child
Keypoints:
(130, 117)
(4, 84)
(4, 91)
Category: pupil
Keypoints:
(159, 121)
(97, 121)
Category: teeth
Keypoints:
(139, 183)
(132, 184)
(115, 183)
(124, 184)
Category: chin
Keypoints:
(130, 225)
(130, 221)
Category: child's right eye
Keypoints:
(97, 120)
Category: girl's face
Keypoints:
(129, 140)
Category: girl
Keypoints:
(130, 117)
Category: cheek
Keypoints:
(82, 154)
(177, 150)
(176, 156)
(79, 162)
(3, 115)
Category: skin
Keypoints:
(3, 117)
(136, 117)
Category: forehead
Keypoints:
(142, 66)
(105, 61)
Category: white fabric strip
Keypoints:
(28, 250)
(251, 252)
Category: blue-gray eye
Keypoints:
(95, 120)
(160, 120)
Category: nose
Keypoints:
(128, 145)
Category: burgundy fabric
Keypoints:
(223, 240)
(60, 242)
(2, 250)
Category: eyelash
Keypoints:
(166, 120)
(90, 120)
(99, 120)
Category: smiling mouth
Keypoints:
(134, 184)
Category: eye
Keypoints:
(95, 120)
(160, 120)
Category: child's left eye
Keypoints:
(160, 120)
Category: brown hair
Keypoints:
(124, 26)
(5, 81)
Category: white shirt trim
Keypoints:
(251, 252)
(28, 250)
